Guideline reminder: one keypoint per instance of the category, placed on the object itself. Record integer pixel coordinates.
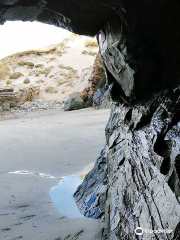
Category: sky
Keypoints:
(20, 36)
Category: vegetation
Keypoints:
(4, 69)
(91, 43)
(26, 81)
(23, 63)
(61, 66)
(8, 82)
(91, 53)
(69, 75)
(51, 89)
(39, 65)
(40, 81)
(46, 71)
(15, 75)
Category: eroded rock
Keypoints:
(75, 102)
(141, 180)
(136, 183)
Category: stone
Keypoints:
(75, 102)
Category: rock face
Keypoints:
(75, 102)
(10, 98)
(136, 180)
(96, 93)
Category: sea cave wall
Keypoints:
(136, 179)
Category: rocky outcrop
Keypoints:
(10, 98)
(135, 182)
(140, 186)
(75, 102)
(72, 15)
(96, 93)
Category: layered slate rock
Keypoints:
(136, 180)
(140, 182)
(70, 14)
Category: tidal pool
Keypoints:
(62, 194)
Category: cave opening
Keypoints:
(43, 151)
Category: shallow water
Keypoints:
(62, 196)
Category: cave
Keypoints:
(140, 48)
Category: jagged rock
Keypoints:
(138, 181)
(75, 102)
(97, 96)
(102, 100)
(94, 92)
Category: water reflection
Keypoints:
(62, 195)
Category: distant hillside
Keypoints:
(58, 71)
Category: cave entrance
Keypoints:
(42, 65)
(46, 146)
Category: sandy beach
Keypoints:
(49, 145)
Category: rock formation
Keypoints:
(96, 93)
(11, 99)
(136, 180)
(75, 102)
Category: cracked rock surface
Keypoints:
(136, 179)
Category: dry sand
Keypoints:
(64, 68)
(56, 144)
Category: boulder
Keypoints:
(75, 102)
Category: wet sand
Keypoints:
(55, 144)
